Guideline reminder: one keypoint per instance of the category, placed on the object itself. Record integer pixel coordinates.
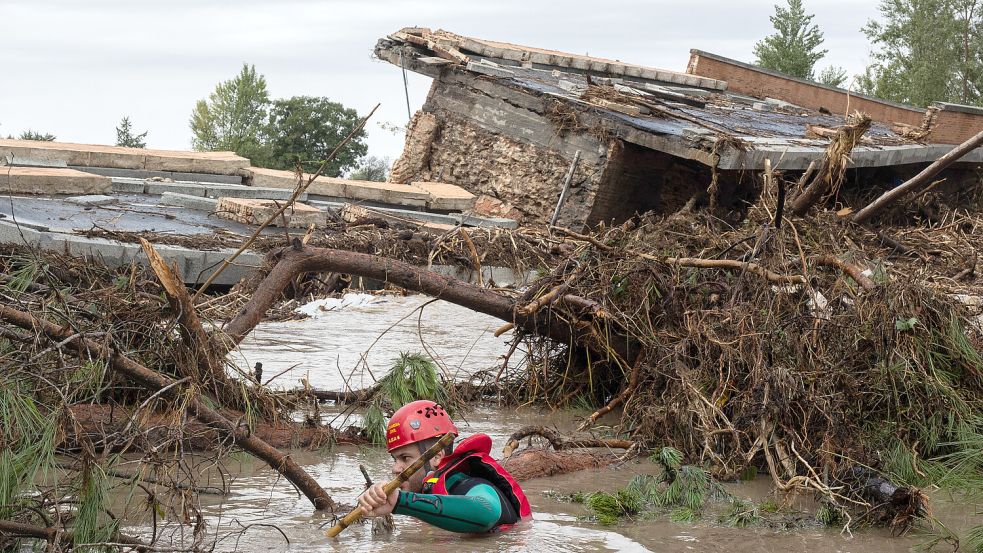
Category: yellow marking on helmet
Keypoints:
(432, 480)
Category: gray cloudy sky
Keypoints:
(75, 68)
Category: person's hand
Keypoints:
(374, 502)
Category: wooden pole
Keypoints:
(926, 175)
(356, 514)
(566, 188)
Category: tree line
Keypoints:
(125, 135)
(301, 131)
(923, 51)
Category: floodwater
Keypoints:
(331, 351)
(351, 345)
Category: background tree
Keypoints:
(306, 129)
(793, 49)
(34, 135)
(969, 15)
(372, 168)
(832, 76)
(126, 138)
(927, 50)
(232, 117)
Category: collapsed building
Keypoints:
(507, 122)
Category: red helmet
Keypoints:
(418, 421)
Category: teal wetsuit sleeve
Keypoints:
(477, 511)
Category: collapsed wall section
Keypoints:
(501, 145)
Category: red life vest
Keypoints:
(472, 457)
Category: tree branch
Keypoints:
(921, 178)
(154, 381)
(295, 261)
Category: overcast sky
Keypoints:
(74, 68)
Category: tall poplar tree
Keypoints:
(233, 115)
(794, 47)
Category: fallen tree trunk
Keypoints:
(96, 422)
(59, 537)
(559, 442)
(297, 260)
(898, 505)
(921, 178)
(354, 396)
(195, 407)
(461, 389)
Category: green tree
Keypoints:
(832, 76)
(793, 49)
(927, 50)
(34, 135)
(372, 168)
(305, 129)
(232, 117)
(126, 138)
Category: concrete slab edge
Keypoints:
(195, 265)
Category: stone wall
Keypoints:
(511, 178)
(504, 151)
(415, 158)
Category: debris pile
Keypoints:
(804, 351)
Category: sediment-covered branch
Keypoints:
(560, 442)
(59, 537)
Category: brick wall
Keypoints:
(952, 126)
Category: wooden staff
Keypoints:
(356, 514)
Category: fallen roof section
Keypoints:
(457, 48)
(655, 109)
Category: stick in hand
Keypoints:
(356, 514)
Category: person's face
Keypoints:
(406, 456)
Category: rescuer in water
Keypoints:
(462, 489)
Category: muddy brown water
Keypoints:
(332, 350)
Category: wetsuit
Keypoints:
(472, 505)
